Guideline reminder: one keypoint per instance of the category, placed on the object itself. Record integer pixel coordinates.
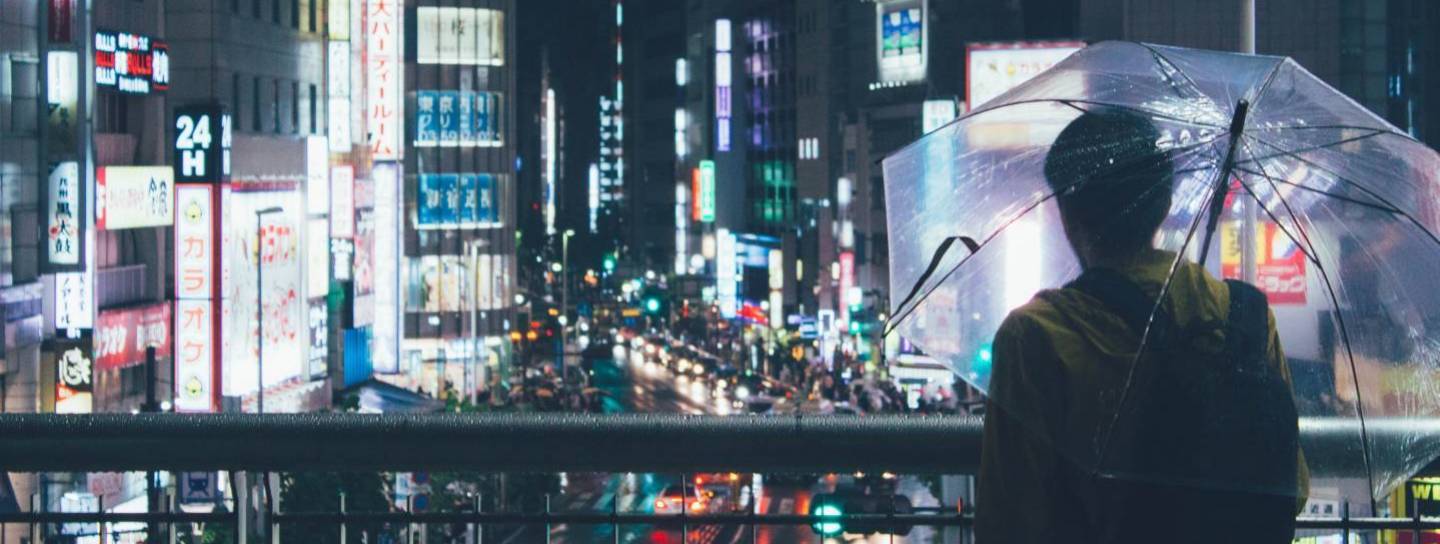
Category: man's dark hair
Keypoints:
(1114, 180)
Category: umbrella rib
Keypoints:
(1359, 186)
(1269, 78)
(1342, 198)
(1067, 101)
(1317, 147)
(1165, 61)
(902, 314)
(1340, 321)
(1306, 248)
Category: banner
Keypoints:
(129, 197)
(194, 242)
(121, 336)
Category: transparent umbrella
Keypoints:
(1278, 180)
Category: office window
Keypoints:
(295, 14)
(255, 106)
(235, 6)
(255, 8)
(313, 129)
(295, 107)
(235, 97)
(275, 107)
(313, 19)
(275, 11)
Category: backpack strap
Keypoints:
(1248, 331)
(1125, 299)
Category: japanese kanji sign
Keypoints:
(65, 224)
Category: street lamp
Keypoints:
(564, 292)
(260, 322)
(260, 304)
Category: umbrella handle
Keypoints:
(1222, 182)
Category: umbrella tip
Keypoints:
(1237, 123)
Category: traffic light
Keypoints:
(652, 305)
(609, 262)
(830, 507)
(983, 359)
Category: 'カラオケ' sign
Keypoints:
(202, 144)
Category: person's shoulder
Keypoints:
(1039, 313)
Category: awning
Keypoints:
(379, 397)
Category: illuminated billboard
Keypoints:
(129, 197)
(281, 295)
(131, 63)
(473, 36)
(457, 201)
(901, 44)
(992, 69)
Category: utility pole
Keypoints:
(1250, 218)
(152, 489)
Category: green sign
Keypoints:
(707, 191)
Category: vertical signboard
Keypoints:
(74, 301)
(722, 84)
(706, 195)
(386, 262)
(64, 215)
(383, 72)
(195, 354)
(74, 377)
(60, 17)
(342, 201)
(725, 273)
(338, 119)
(62, 71)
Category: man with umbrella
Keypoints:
(1146, 401)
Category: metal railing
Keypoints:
(496, 443)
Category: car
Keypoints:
(676, 499)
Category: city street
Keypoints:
(635, 385)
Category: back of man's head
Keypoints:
(1114, 180)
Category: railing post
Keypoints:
(34, 508)
(342, 518)
(615, 517)
(241, 486)
(173, 500)
(479, 527)
(102, 528)
(1345, 522)
(547, 518)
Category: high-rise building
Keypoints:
(458, 263)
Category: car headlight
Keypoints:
(742, 392)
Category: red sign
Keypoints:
(695, 210)
(121, 336)
(1279, 263)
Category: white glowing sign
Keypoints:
(902, 43)
(992, 69)
(338, 103)
(65, 215)
(459, 36)
(74, 301)
(722, 84)
(386, 263)
(194, 242)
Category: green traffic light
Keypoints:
(652, 305)
(609, 263)
(828, 528)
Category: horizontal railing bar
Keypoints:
(564, 442)
(600, 518)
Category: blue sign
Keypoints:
(456, 201)
(469, 197)
(358, 366)
(485, 199)
(427, 119)
(198, 487)
(449, 119)
(465, 107)
(457, 118)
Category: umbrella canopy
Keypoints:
(1277, 179)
